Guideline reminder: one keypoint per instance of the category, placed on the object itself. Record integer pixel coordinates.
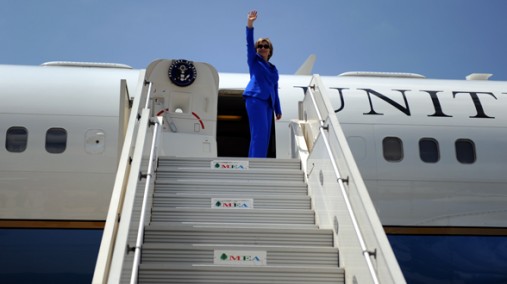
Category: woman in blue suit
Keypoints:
(261, 93)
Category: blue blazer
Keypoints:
(263, 75)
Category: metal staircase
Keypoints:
(203, 219)
(272, 238)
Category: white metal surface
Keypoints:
(75, 184)
(190, 112)
(109, 236)
(346, 209)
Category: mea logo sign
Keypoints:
(230, 165)
(246, 258)
(231, 203)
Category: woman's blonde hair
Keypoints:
(268, 41)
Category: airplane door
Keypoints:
(185, 94)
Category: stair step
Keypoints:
(288, 216)
(252, 174)
(253, 162)
(204, 254)
(237, 234)
(259, 201)
(185, 273)
(230, 186)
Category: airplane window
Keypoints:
(465, 151)
(56, 140)
(393, 149)
(16, 139)
(428, 150)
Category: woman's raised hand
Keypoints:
(252, 16)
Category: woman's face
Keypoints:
(263, 49)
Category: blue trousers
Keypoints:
(260, 117)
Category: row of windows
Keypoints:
(17, 139)
(56, 142)
(429, 151)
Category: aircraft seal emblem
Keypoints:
(182, 72)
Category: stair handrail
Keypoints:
(104, 256)
(359, 235)
(123, 175)
(157, 121)
(317, 87)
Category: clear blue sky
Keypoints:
(446, 39)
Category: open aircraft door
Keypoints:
(185, 94)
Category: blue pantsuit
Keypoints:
(260, 115)
(261, 98)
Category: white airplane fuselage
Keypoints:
(76, 184)
(432, 154)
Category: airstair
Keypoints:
(180, 214)
(223, 225)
